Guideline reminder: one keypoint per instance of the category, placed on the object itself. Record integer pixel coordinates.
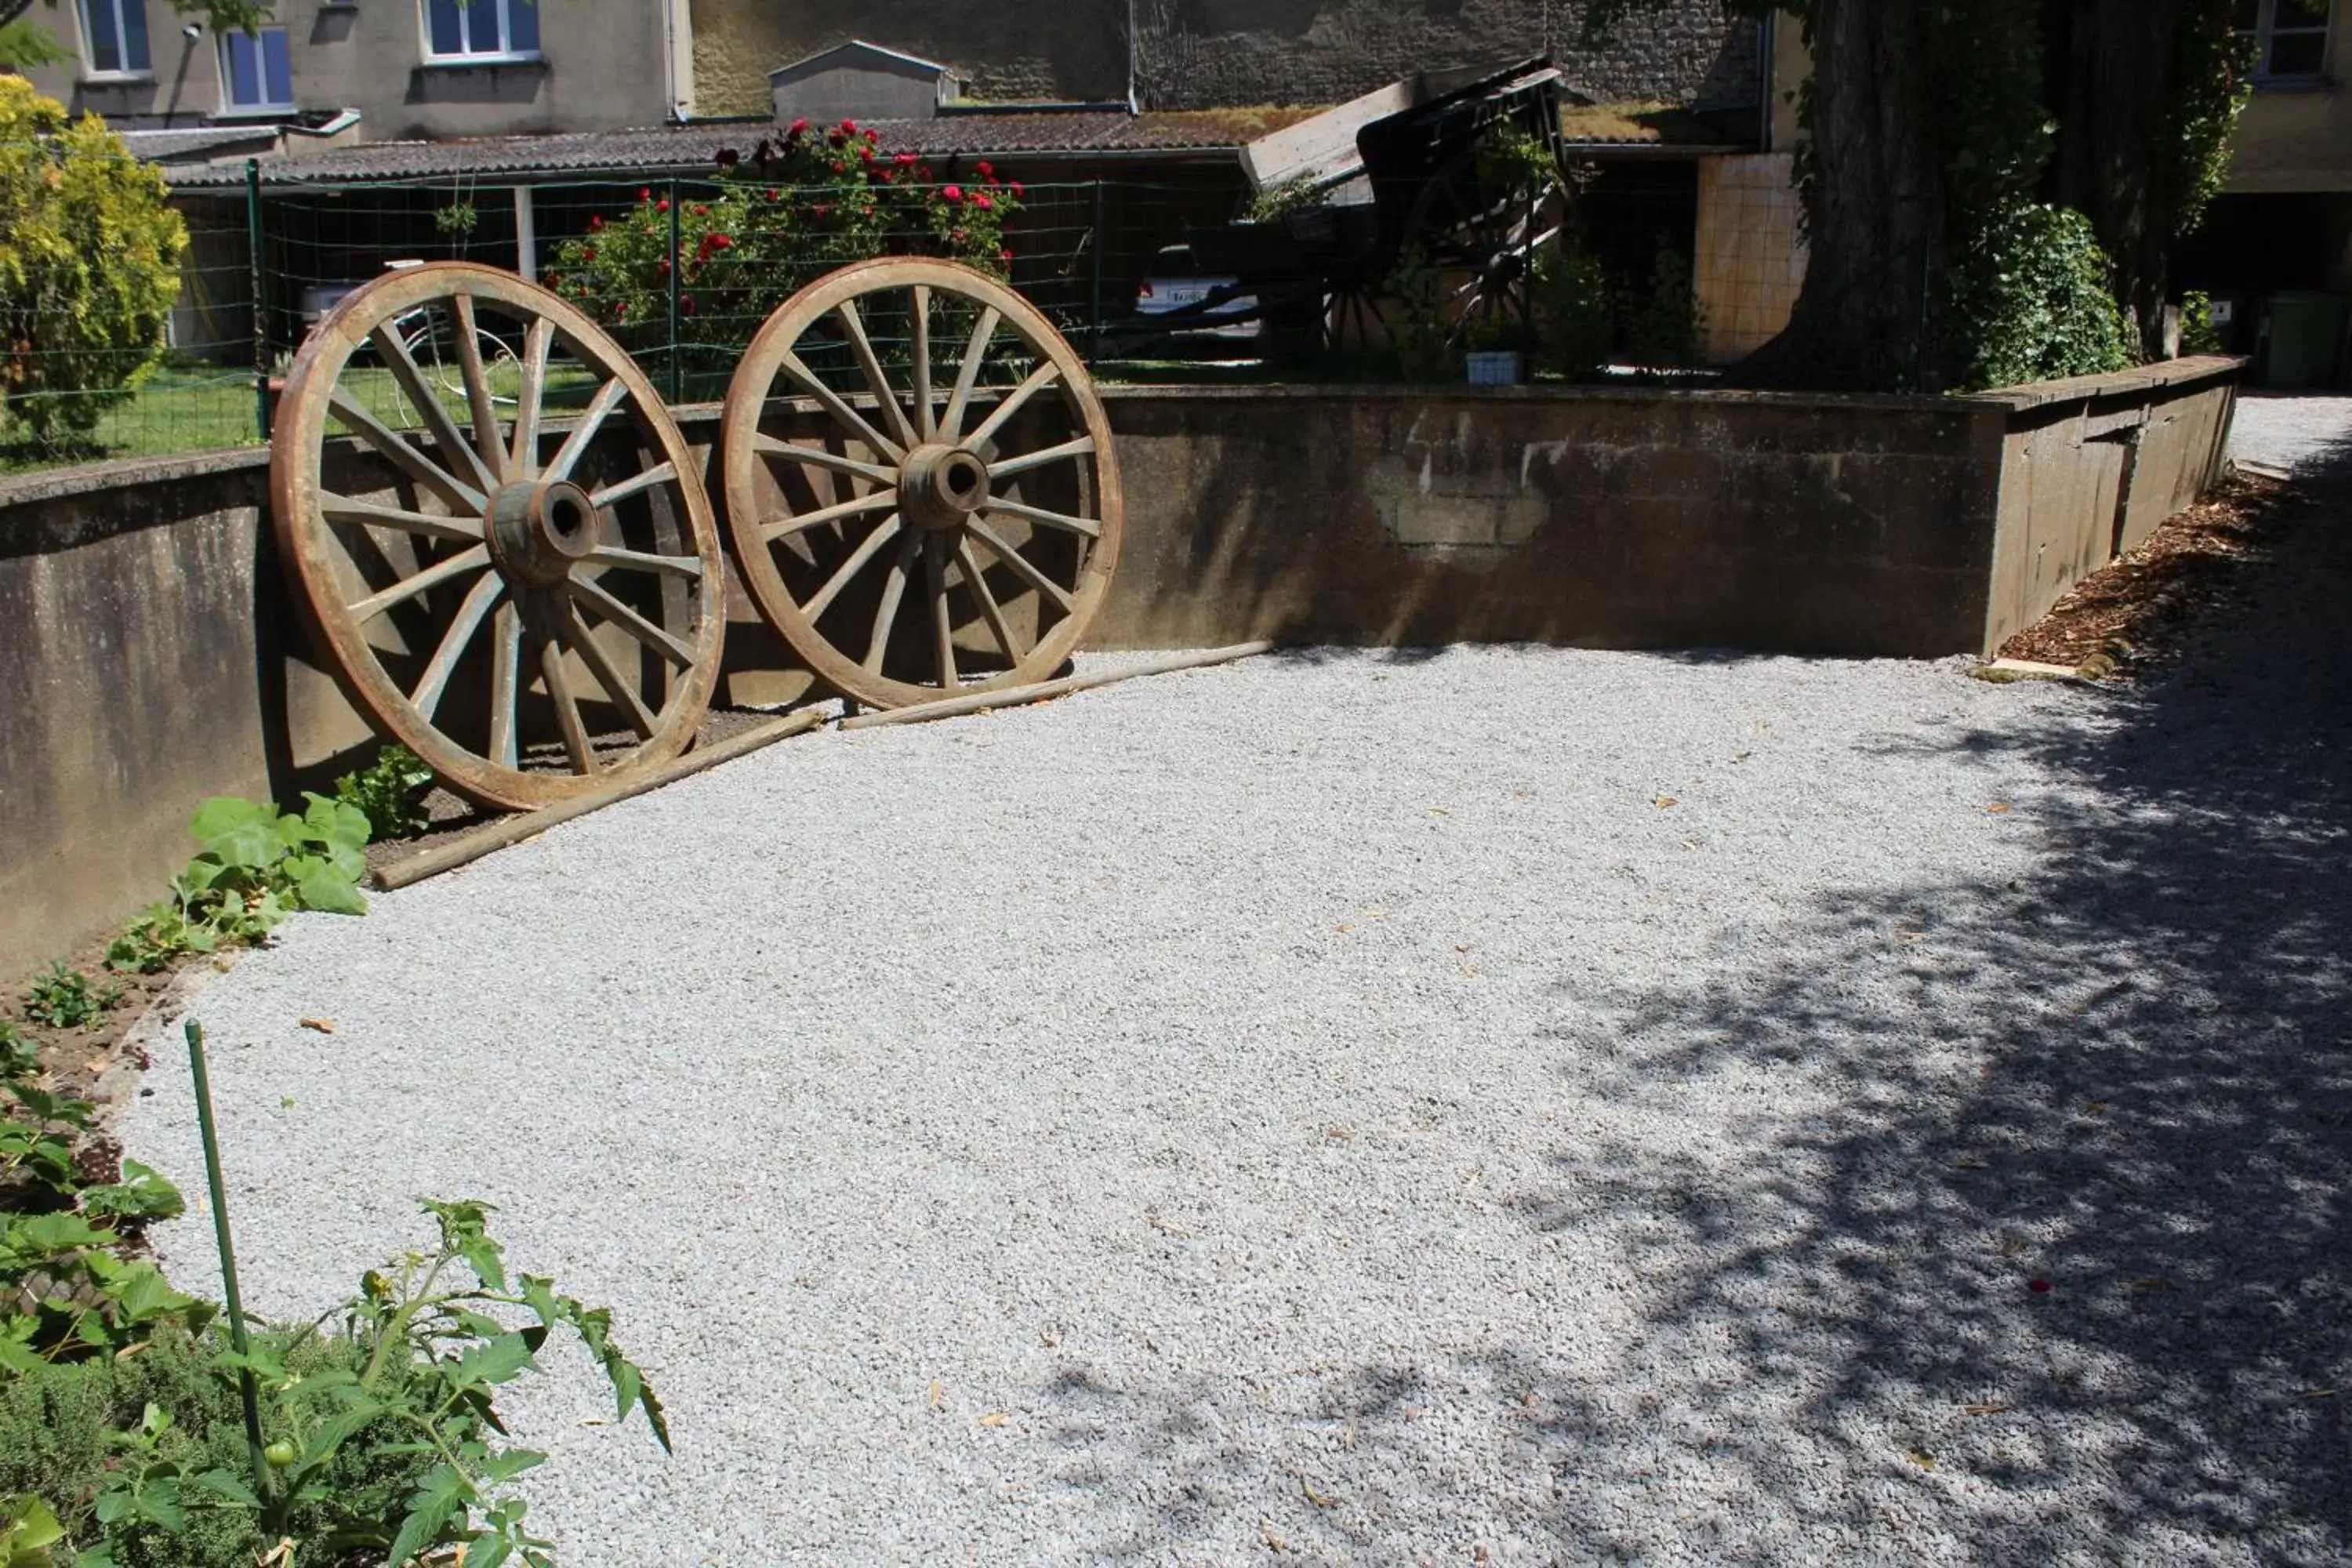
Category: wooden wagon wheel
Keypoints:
(532, 605)
(1492, 234)
(923, 459)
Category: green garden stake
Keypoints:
(236, 1337)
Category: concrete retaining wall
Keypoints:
(149, 659)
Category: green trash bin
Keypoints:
(2302, 338)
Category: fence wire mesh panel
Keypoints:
(1141, 276)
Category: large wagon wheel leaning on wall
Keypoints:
(935, 510)
(521, 587)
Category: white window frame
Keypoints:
(505, 9)
(89, 71)
(229, 108)
(2265, 29)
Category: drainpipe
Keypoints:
(526, 235)
(1130, 56)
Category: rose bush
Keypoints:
(772, 221)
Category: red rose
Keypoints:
(775, 194)
(662, 205)
(720, 241)
(621, 312)
(985, 168)
(799, 127)
(958, 235)
(980, 201)
(587, 253)
(904, 160)
(837, 138)
(849, 128)
(1005, 255)
(925, 172)
(596, 223)
(685, 304)
(821, 209)
(646, 195)
(952, 194)
(1017, 190)
(665, 264)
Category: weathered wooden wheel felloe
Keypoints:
(535, 606)
(932, 508)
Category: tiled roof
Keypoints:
(693, 149)
(201, 141)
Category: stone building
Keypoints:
(1207, 54)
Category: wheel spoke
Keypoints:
(871, 546)
(835, 404)
(1038, 378)
(1019, 565)
(818, 458)
(639, 560)
(426, 698)
(935, 581)
(880, 385)
(989, 610)
(575, 445)
(506, 683)
(488, 439)
(405, 457)
(593, 594)
(1061, 520)
(660, 474)
(921, 351)
(458, 565)
(350, 509)
(567, 707)
(525, 462)
(893, 588)
(976, 355)
(1006, 468)
(446, 441)
(856, 506)
(600, 665)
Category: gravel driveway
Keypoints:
(1493, 1106)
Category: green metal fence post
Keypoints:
(254, 282)
(673, 270)
(1094, 308)
(237, 1335)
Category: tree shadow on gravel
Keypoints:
(2061, 1273)
(2126, 1077)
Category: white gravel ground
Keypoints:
(1494, 1106)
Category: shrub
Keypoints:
(777, 220)
(389, 792)
(1573, 324)
(1662, 322)
(256, 865)
(90, 260)
(2034, 299)
(2199, 334)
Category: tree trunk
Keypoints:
(1868, 314)
(2117, 154)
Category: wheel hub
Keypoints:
(940, 486)
(539, 530)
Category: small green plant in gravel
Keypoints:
(390, 792)
(63, 998)
(257, 865)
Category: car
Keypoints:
(1176, 283)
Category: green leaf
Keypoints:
(27, 1529)
(141, 1294)
(339, 1428)
(226, 1484)
(143, 1194)
(55, 1233)
(443, 1492)
(328, 888)
(238, 833)
(499, 1361)
(509, 1463)
(335, 824)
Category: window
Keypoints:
(114, 38)
(255, 71)
(481, 29)
(2289, 37)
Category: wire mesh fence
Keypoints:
(681, 271)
